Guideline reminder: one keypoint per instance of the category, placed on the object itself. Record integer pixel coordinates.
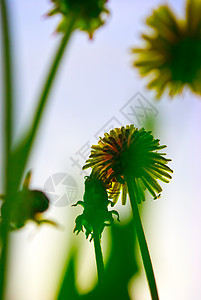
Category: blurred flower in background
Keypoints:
(172, 51)
(27, 205)
(89, 14)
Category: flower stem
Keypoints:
(8, 118)
(99, 255)
(23, 150)
(49, 81)
(142, 241)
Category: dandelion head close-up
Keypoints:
(134, 152)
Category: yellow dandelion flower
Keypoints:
(128, 150)
(172, 51)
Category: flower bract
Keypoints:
(27, 205)
(95, 204)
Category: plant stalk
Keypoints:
(8, 118)
(142, 241)
(99, 255)
(49, 81)
(25, 146)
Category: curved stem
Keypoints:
(99, 255)
(142, 241)
(50, 80)
(25, 147)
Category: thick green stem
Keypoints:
(99, 256)
(8, 118)
(142, 241)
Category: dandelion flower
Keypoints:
(172, 51)
(89, 14)
(134, 152)
(128, 158)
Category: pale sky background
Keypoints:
(95, 81)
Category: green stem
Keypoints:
(8, 118)
(25, 147)
(99, 256)
(49, 82)
(142, 241)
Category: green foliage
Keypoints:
(120, 268)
